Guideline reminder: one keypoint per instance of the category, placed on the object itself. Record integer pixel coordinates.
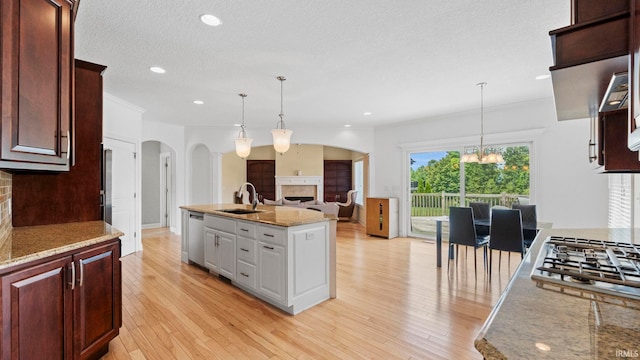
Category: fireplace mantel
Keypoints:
(316, 181)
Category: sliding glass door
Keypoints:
(440, 180)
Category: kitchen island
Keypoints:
(282, 255)
(549, 322)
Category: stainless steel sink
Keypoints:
(240, 211)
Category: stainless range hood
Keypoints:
(617, 94)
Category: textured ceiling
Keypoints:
(398, 59)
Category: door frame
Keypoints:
(166, 189)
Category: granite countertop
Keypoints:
(268, 214)
(30, 243)
(529, 322)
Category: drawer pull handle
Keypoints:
(267, 247)
(246, 230)
(247, 250)
(268, 235)
(243, 274)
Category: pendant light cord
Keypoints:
(281, 122)
(482, 84)
(242, 128)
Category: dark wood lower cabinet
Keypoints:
(97, 300)
(66, 307)
(37, 310)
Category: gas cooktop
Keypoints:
(595, 266)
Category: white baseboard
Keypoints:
(151, 226)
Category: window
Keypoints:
(358, 180)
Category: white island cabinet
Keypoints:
(287, 267)
(220, 245)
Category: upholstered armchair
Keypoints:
(345, 210)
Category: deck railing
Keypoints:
(436, 204)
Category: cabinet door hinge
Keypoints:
(135, 155)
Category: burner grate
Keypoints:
(595, 265)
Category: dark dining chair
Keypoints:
(529, 223)
(506, 234)
(481, 212)
(463, 232)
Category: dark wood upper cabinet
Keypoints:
(612, 153)
(36, 84)
(583, 11)
(603, 40)
(41, 198)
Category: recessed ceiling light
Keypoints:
(198, 102)
(347, 125)
(210, 20)
(157, 70)
(543, 77)
(366, 114)
(543, 347)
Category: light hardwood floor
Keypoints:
(392, 303)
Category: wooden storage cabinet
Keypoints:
(66, 307)
(382, 217)
(612, 153)
(97, 299)
(37, 308)
(36, 84)
(45, 198)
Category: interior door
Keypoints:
(123, 201)
(337, 180)
(262, 174)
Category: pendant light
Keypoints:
(482, 154)
(281, 135)
(243, 143)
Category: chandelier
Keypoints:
(243, 143)
(281, 135)
(483, 154)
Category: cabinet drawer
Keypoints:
(220, 223)
(246, 274)
(272, 235)
(246, 249)
(246, 229)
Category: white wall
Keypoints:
(151, 178)
(123, 121)
(200, 191)
(565, 189)
(173, 137)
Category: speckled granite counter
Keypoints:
(273, 215)
(30, 243)
(529, 322)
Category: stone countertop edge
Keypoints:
(29, 243)
(529, 322)
(271, 215)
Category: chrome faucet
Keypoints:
(254, 203)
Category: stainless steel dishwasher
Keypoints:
(196, 237)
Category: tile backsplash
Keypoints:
(5, 204)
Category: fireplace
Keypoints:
(299, 187)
